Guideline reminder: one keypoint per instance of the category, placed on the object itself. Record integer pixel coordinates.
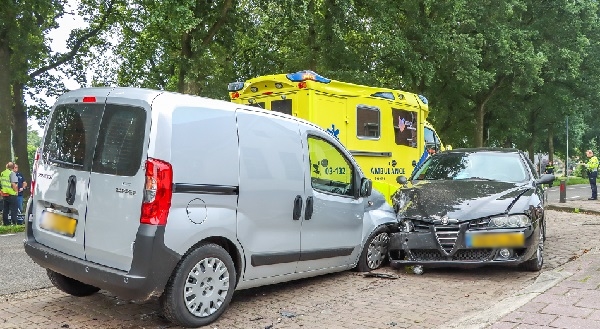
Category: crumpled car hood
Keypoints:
(462, 199)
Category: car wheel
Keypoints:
(200, 288)
(70, 286)
(535, 264)
(375, 251)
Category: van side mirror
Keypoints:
(402, 180)
(366, 186)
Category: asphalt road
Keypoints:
(574, 192)
(17, 271)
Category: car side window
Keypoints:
(330, 170)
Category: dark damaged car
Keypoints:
(470, 208)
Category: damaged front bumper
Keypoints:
(444, 246)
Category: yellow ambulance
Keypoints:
(385, 129)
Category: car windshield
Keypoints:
(497, 166)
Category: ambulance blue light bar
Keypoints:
(306, 75)
(235, 86)
(423, 99)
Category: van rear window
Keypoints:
(71, 135)
(111, 136)
(120, 141)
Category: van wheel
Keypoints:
(70, 286)
(200, 288)
(374, 252)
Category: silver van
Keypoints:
(150, 193)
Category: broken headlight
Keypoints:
(511, 221)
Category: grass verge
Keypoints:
(12, 229)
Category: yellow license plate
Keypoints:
(58, 223)
(495, 240)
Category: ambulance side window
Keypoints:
(405, 127)
(368, 122)
(330, 170)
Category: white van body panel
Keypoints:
(114, 205)
(271, 178)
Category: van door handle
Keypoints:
(309, 208)
(71, 189)
(297, 207)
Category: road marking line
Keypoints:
(8, 234)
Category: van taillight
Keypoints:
(34, 171)
(158, 191)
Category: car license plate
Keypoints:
(495, 240)
(58, 223)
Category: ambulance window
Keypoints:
(260, 105)
(367, 122)
(432, 142)
(72, 134)
(283, 106)
(120, 141)
(405, 127)
(330, 170)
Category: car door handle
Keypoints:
(309, 208)
(71, 189)
(297, 207)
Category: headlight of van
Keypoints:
(511, 221)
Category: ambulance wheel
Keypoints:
(200, 287)
(70, 286)
(375, 251)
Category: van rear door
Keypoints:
(117, 183)
(63, 174)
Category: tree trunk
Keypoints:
(5, 104)
(19, 130)
(479, 116)
(550, 145)
(312, 38)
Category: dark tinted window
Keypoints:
(367, 122)
(120, 141)
(283, 106)
(71, 135)
(405, 127)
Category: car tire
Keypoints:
(535, 264)
(70, 286)
(375, 250)
(200, 287)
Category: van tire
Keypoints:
(374, 252)
(70, 286)
(172, 301)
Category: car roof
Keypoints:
(484, 149)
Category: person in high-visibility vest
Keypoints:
(549, 170)
(592, 169)
(9, 190)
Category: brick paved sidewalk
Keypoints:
(573, 303)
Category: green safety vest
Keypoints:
(6, 184)
(592, 165)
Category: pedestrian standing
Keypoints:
(592, 169)
(549, 170)
(9, 190)
(21, 186)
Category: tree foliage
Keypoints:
(497, 73)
